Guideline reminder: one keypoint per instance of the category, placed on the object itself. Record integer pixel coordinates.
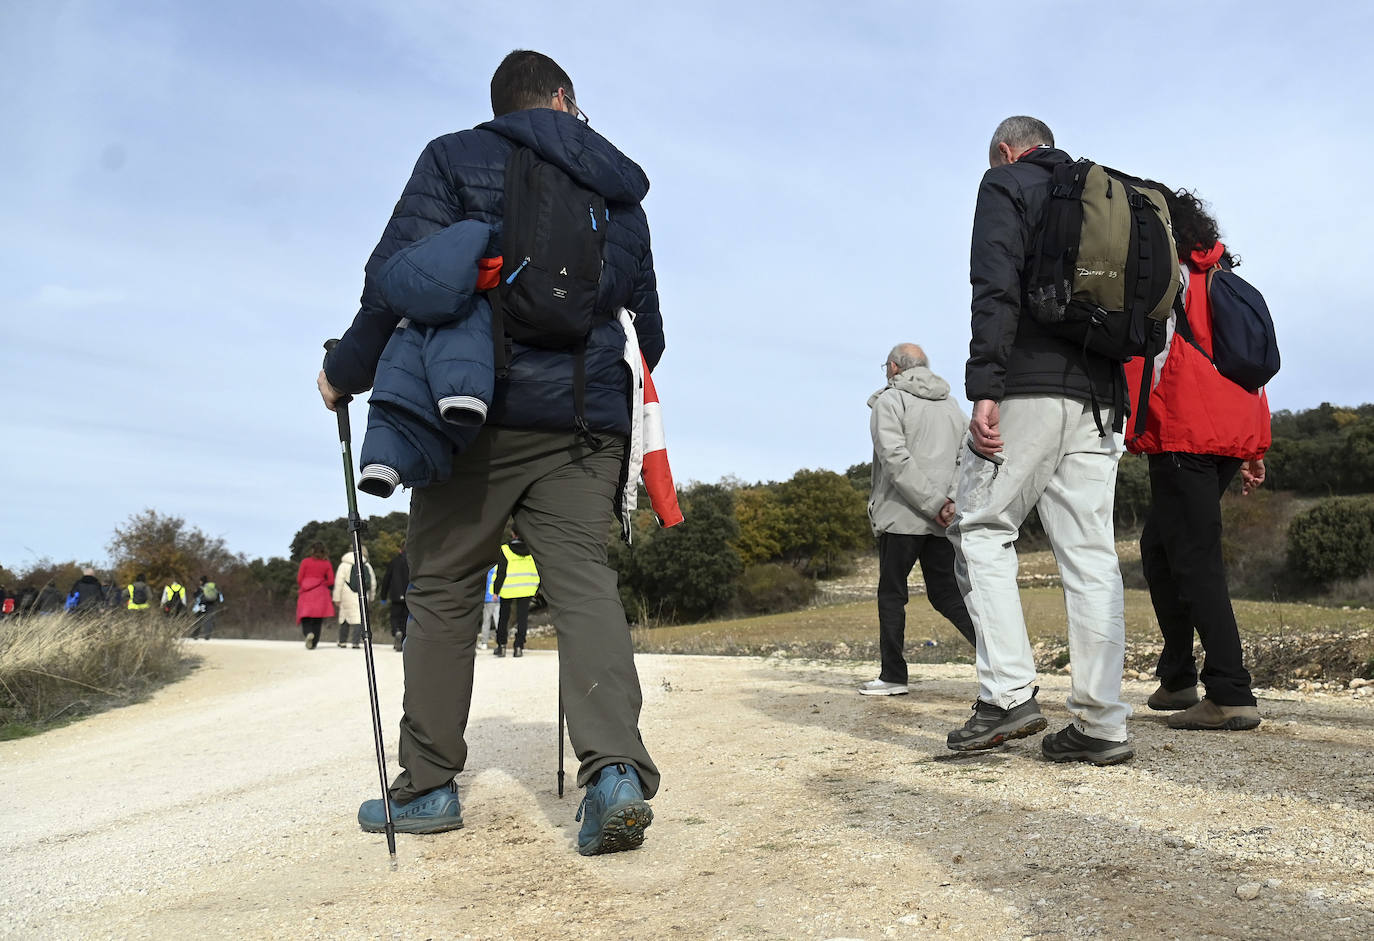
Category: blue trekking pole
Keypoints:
(356, 528)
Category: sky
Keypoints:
(190, 191)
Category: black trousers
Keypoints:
(522, 620)
(399, 614)
(311, 626)
(1180, 550)
(898, 553)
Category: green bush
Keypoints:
(771, 588)
(1334, 540)
(1256, 564)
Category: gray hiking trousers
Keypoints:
(561, 494)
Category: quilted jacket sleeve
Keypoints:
(644, 302)
(428, 203)
(997, 255)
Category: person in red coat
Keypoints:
(1202, 429)
(314, 581)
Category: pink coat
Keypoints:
(314, 580)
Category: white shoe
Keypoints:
(883, 688)
(482, 645)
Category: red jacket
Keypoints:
(314, 580)
(1193, 408)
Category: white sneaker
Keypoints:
(883, 688)
(482, 645)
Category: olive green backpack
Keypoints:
(1104, 267)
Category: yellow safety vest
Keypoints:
(139, 607)
(176, 592)
(522, 578)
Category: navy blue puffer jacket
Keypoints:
(462, 176)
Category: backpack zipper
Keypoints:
(518, 270)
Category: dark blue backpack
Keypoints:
(1244, 348)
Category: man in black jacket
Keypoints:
(394, 584)
(1034, 443)
(555, 472)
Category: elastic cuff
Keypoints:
(379, 480)
(463, 409)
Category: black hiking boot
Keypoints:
(1070, 744)
(990, 725)
(500, 651)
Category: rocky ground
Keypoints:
(791, 808)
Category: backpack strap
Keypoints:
(579, 355)
(1184, 329)
(501, 344)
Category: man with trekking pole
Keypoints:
(564, 209)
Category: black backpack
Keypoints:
(1244, 346)
(140, 593)
(1104, 267)
(552, 238)
(360, 584)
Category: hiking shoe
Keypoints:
(518, 652)
(990, 725)
(1166, 700)
(614, 813)
(310, 640)
(343, 643)
(883, 688)
(500, 651)
(397, 640)
(356, 646)
(1071, 744)
(432, 812)
(1210, 716)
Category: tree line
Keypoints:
(761, 546)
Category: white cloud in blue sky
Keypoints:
(190, 191)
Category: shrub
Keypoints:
(59, 665)
(687, 572)
(1334, 540)
(1256, 563)
(772, 588)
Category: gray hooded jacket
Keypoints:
(917, 430)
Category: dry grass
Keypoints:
(1279, 638)
(55, 667)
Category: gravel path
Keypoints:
(791, 808)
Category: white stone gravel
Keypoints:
(791, 808)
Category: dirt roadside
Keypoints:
(791, 808)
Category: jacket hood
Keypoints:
(348, 557)
(575, 148)
(918, 381)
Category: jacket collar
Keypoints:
(575, 148)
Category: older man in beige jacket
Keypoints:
(917, 431)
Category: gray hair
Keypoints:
(907, 355)
(1020, 132)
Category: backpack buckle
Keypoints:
(1137, 200)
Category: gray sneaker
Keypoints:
(883, 688)
(990, 725)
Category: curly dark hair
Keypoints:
(1194, 226)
